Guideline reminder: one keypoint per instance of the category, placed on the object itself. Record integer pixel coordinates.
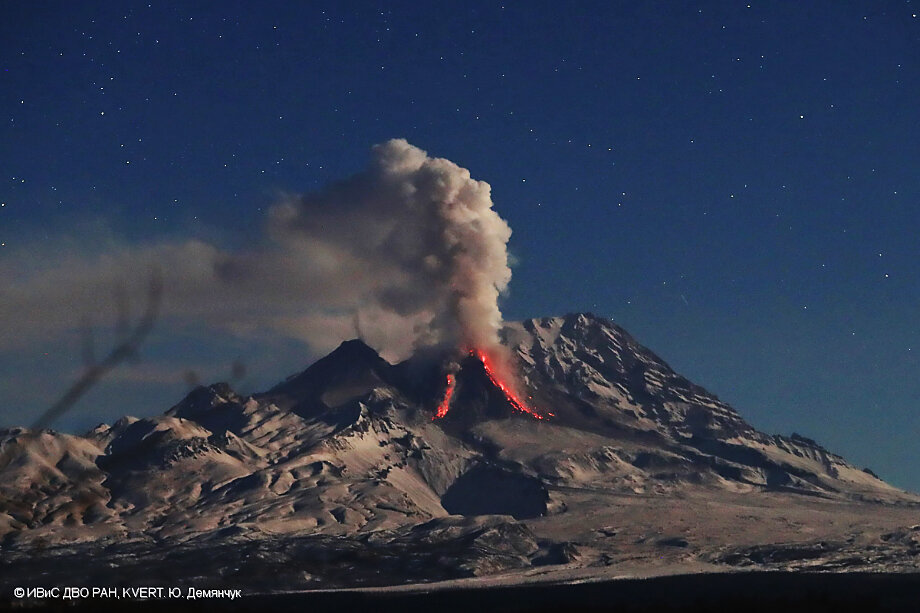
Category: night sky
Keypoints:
(734, 183)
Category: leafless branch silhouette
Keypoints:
(129, 342)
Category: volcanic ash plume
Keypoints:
(407, 253)
(419, 238)
(416, 239)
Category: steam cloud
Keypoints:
(408, 252)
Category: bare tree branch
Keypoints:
(129, 342)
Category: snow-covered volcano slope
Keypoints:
(349, 447)
(599, 380)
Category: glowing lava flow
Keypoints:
(445, 404)
(512, 398)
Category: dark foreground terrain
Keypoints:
(748, 592)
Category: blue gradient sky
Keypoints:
(735, 183)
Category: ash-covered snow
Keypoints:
(346, 455)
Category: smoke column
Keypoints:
(435, 250)
(416, 236)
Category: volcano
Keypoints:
(596, 460)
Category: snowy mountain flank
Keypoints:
(341, 476)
